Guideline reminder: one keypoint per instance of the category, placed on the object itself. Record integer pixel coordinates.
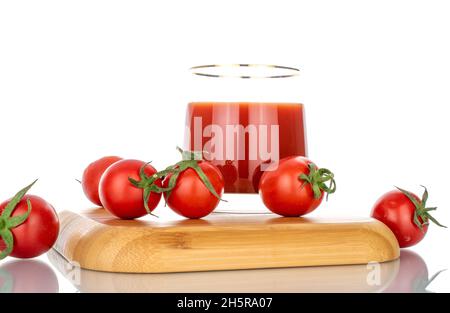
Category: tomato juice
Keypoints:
(244, 138)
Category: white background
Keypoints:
(84, 79)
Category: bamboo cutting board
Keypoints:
(96, 240)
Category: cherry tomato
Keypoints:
(92, 175)
(37, 234)
(190, 197)
(405, 214)
(294, 186)
(119, 196)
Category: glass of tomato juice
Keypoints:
(244, 117)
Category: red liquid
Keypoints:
(242, 138)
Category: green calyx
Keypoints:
(190, 159)
(318, 179)
(148, 185)
(421, 213)
(7, 222)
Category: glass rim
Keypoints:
(213, 71)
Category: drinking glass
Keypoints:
(245, 117)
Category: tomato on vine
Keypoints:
(192, 187)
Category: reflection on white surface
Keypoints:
(407, 274)
(355, 278)
(21, 276)
(413, 274)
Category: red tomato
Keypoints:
(119, 196)
(405, 214)
(38, 233)
(294, 186)
(92, 175)
(190, 197)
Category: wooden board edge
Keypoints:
(75, 241)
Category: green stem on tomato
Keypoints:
(421, 213)
(190, 159)
(7, 222)
(318, 179)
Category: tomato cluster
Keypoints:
(291, 187)
(129, 189)
(193, 187)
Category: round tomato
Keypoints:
(189, 196)
(294, 186)
(37, 234)
(405, 214)
(92, 175)
(120, 197)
